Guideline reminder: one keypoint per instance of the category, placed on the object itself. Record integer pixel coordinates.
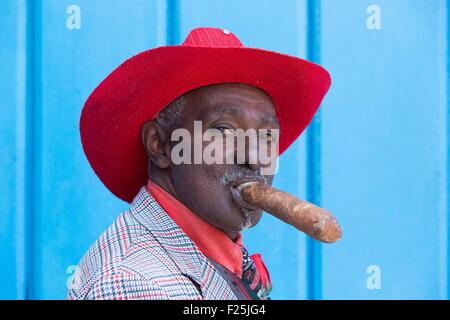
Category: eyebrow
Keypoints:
(271, 119)
(220, 110)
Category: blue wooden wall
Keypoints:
(376, 154)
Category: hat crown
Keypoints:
(211, 37)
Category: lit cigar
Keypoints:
(306, 217)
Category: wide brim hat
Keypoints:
(135, 92)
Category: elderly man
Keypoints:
(182, 235)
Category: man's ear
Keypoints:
(156, 144)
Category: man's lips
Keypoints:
(234, 187)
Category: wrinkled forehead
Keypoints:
(232, 100)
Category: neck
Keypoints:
(163, 179)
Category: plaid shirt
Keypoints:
(144, 254)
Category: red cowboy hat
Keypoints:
(139, 88)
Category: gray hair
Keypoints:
(169, 118)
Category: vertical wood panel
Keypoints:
(12, 147)
(74, 206)
(384, 148)
(447, 149)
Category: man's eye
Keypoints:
(225, 130)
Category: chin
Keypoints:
(239, 219)
(250, 219)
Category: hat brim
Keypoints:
(138, 89)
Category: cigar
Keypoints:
(306, 217)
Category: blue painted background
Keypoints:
(377, 153)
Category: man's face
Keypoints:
(207, 189)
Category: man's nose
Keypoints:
(252, 159)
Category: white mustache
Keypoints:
(235, 174)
